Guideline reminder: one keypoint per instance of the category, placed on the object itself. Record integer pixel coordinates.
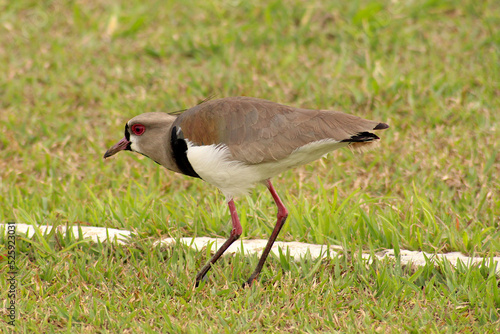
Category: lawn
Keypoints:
(73, 72)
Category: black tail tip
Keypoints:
(381, 126)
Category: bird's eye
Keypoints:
(138, 129)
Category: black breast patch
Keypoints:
(179, 149)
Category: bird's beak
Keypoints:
(123, 144)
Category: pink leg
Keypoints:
(235, 234)
(282, 215)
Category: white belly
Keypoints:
(215, 165)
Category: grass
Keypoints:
(75, 72)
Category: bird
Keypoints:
(236, 143)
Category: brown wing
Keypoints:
(258, 130)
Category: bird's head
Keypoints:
(147, 134)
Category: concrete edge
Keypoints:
(296, 249)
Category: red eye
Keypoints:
(138, 129)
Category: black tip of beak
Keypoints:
(123, 144)
(107, 154)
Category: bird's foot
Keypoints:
(249, 282)
(199, 280)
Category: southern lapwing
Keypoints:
(236, 142)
